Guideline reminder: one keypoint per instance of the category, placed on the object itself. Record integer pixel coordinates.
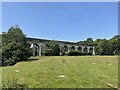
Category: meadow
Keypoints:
(63, 72)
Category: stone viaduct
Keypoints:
(39, 45)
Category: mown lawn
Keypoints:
(63, 72)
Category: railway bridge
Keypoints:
(39, 45)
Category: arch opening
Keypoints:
(91, 50)
(72, 48)
(65, 48)
(36, 49)
(85, 50)
(79, 49)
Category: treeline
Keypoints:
(104, 46)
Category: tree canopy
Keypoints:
(104, 46)
(53, 48)
(14, 46)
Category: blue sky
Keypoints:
(62, 21)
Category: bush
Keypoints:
(64, 53)
(73, 53)
(48, 52)
(86, 53)
(77, 53)
(89, 53)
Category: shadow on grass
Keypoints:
(32, 59)
(28, 60)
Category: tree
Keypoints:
(104, 48)
(115, 41)
(82, 43)
(55, 50)
(15, 48)
(97, 41)
(89, 42)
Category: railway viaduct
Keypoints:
(39, 45)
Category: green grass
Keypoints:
(79, 72)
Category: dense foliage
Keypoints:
(48, 52)
(104, 46)
(14, 46)
(53, 49)
(76, 53)
(73, 53)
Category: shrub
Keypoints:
(48, 52)
(77, 53)
(64, 53)
(89, 53)
(73, 53)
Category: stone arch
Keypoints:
(72, 48)
(36, 49)
(91, 50)
(85, 50)
(65, 48)
(79, 49)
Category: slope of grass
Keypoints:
(77, 72)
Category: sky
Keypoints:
(67, 21)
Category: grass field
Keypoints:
(63, 72)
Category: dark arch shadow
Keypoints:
(36, 52)
(72, 48)
(85, 50)
(65, 48)
(79, 49)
